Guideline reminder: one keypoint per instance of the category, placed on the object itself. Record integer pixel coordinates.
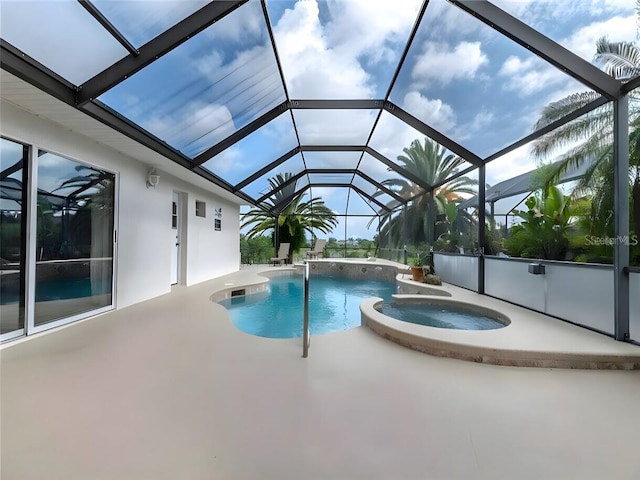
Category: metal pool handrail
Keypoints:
(306, 337)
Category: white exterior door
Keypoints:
(175, 238)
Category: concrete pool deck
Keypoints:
(169, 389)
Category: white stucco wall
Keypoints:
(209, 253)
(143, 255)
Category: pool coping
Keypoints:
(258, 283)
(503, 346)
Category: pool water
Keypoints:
(59, 289)
(453, 317)
(334, 305)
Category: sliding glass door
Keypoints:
(13, 196)
(56, 240)
(74, 241)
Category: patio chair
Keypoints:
(283, 254)
(318, 248)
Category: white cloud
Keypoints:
(511, 164)
(583, 41)
(312, 68)
(197, 125)
(530, 76)
(367, 26)
(142, 19)
(442, 63)
(392, 135)
(445, 18)
(434, 113)
(540, 13)
(227, 160)
(241, 24)
(589, 19)
(481, 121)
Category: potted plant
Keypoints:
(417, 268)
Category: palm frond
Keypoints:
(597, 124)
(621, 60)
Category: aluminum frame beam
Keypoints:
(370, 198)
(260, 201)
(355, 172)
(109, 27)
(270, 193)
(631, 85)
(482, 183)
(336, 104)
(432, 133)
(453, 177)
(380, 187)
(332, 148)
(277, 209)
(108, 116)
(26, 68)
(105, 115)
(378, 156)
(267, 168)
(398, 169)
(284, 203)
(240, 134)
(542, 46)
(11, 169)
(156, 48)
(621, 218)
(552, 126)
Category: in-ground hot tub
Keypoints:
(444, 341)
(432, 312)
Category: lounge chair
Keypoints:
(318, 248)
(283, 254)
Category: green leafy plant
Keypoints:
(544, 230)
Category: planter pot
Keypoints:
(418, 273)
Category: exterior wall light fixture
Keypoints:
(153, 178)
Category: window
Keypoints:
(174, 215)
(217, 221)
(201, 209)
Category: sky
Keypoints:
(460, 76)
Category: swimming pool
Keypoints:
(334, 305)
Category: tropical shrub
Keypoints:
(544, 230)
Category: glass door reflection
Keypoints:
(74, 241)
(13, 161)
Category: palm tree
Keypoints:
(296, 218)
(590, 138)
(432, 163)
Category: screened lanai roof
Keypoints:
(329, 91)
(524, 183)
